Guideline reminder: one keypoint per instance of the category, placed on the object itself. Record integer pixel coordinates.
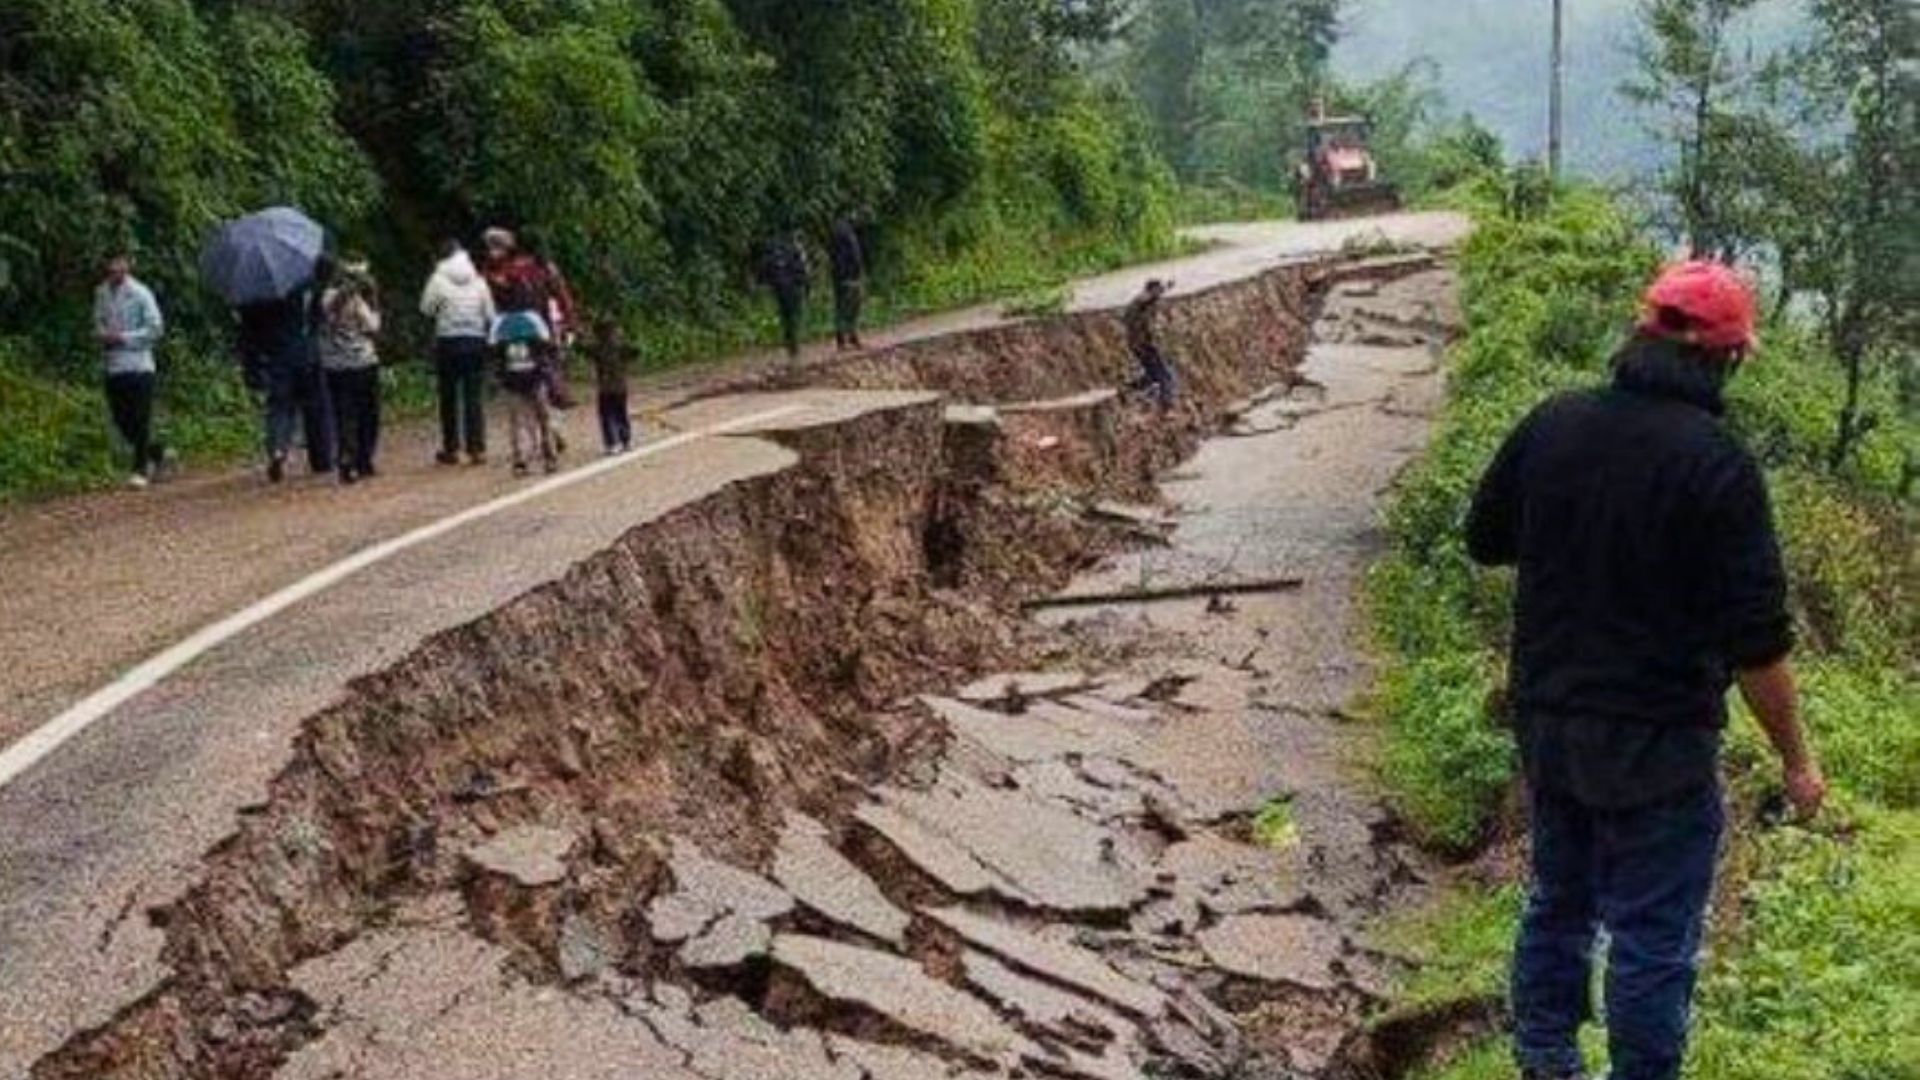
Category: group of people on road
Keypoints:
(312, 357)
(517, 311)
(510, 320)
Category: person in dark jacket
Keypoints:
(1143, 341)
(784, 270)
(278, 359)
(1650, 580)
(849, 265)
(611, 357)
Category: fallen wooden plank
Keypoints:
(1174, 592)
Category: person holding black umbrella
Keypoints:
(265, 265)
(277, 353)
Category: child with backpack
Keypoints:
(521, 338)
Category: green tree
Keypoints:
(1862, 72)
(1227, 82)
(1689, 78)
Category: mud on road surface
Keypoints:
(775, 779)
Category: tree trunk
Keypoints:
(1852, 356)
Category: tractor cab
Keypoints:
(1338, 176)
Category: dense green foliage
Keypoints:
(1817, 966)
(651, 146)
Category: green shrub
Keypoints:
(1821, 981)
(1446, 761)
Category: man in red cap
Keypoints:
(1649, 582)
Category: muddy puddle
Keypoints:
(785, 786)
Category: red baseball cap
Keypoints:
(1718, 303)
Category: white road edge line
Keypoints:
(44, 740)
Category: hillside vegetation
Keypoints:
(651, 145)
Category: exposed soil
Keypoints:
(682, 813)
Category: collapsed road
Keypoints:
(740, 760)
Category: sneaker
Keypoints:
(447, 457)
(349, 477)
(551, 465)
(368, 472)
(613, 451)
(276, 468)
(138, 481)
(519, 468)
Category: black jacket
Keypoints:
(844, 252)
(1649, 573)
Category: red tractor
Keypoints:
(1339, 177)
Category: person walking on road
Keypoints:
(849, 266)
(277, 355)
(349, 321)
(127, 323)
(611, 356)
(520, 337)
(524, 283)
(460, 304)
(1650, 579)
(1143, 341)
(784, 270)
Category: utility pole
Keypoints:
(1555, 96)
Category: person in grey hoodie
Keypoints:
(460, 304)
(127, 323)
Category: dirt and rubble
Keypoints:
(784, 784)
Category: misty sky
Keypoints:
(1493, 58)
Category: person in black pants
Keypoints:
(849, 283)
(1143, 340)
(277, 351)
(784, 270)
(349, 322)
(461, 306)
(611, 355)
(127, 323)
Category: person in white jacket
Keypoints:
(460, 304)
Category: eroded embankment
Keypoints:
(711, 671)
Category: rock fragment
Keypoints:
(898, 990)
(821, 878)
(1049, 856)
(721, 912)
(1296, 950)
(1040, 1005)
(1023, 738)
(532, 856)
(1063, 963)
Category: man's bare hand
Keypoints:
(1806, 789)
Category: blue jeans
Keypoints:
(1645, 874)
